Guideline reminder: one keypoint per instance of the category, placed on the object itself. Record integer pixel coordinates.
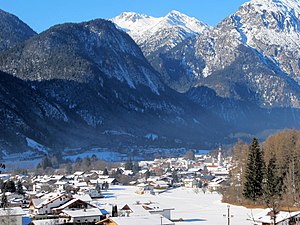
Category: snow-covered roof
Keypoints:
(145, 220)
(56, 177)
(264, 216)
(137, 210)
(108, 180)
(61, 183)
(39, 203)
(69, 203)
(80, 184)
(84, 212)
(85, 197)
(79, 173)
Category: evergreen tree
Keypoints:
(68, 168)
(10, 186)
(86, 162)
(147, 174)
(20, 188)
(45, 163)
(2, 185)
(2, 166)
(128, 165)
(4, 202)
(190, 155)
(273, 188)
(175, 176)
(273, 184)
(254, 174)
(114, 211)
(105, 172)
(98, 188)
(135, 167)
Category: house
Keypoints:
(154, 209)
(110, 181)
(43, 206)
(216, 183)
(133, 210)
(86, 215)
(192, 183)
(159, 184)
(73, 204)
(145, 189)
(79, 175)
(65, 209)
(144, 209)
(61, 185)
(92, 175)
(83, 197)
(12, 215)
(282, 218)
(93, 193)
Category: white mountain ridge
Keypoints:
(153, 33)
(274, 31)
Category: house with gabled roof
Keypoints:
(82, 216)
(73, 204)
(282, 218)
(44, 206)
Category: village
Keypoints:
(182, 194)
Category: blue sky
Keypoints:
(41, 14)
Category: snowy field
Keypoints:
(194, 208)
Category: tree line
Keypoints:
(266, 174)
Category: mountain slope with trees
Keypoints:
(13, 31)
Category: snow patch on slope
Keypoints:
(36, 146)
(141, 27)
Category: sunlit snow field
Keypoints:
(192, 207)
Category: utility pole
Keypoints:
(228, 215)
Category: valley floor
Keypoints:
(192, 207)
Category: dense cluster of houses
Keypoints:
(76, 198)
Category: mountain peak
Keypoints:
(146, 30)
(13, 30)
(175, 13)
(132, 16)
(276, 5)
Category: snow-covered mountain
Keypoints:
(80, 85)
(257, 49)
(272, 27)
(89, 84)
(156, 35)
(80, 52)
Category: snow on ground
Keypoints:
(194, 208)
(21, 164)
(102, 154)
(37, 146)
